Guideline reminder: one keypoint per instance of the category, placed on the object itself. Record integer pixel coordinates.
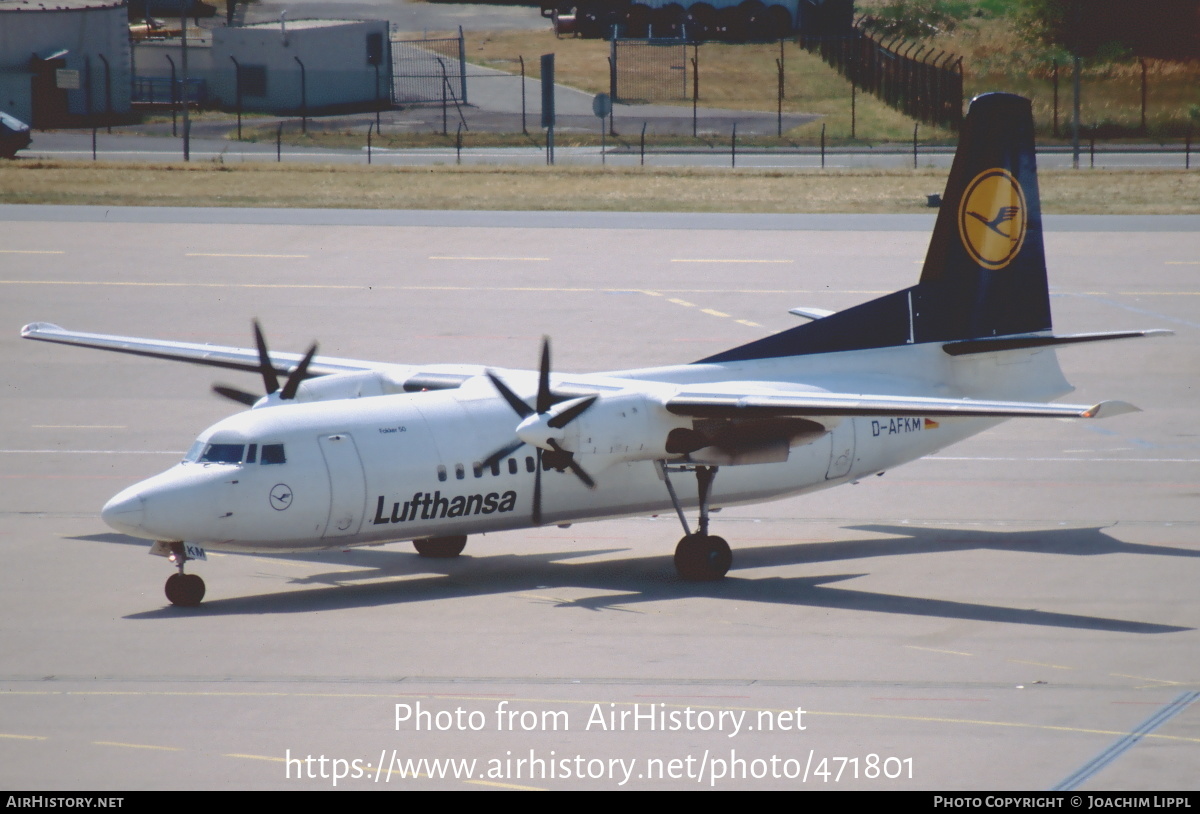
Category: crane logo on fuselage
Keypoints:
(426, 506)
(281, 496)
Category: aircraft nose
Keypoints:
(126, 512)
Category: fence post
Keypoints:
(1055, 80)
(822, 145)
(304, 95)
(1092, 148)
(174, 97)
(1187, 149)
(1143, 63)
(779, 98)
(462, 64)
(695, 89)
(733, 147)
(107, 94)
(237, 82)
(279, 143)
(524, 128)
(458, 145)
(368, 144)
(643, 144)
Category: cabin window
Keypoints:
(529, 464)
(477, 468)
(495, 468)
(441, 472)
(273, 454)
(459, 472)
(512, 466)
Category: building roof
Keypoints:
(17, 6)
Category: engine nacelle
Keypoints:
(353, 385)
(623, 427)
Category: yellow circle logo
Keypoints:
(992, 218)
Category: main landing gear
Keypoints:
(699, 557)
(441, 547)
(185, 590)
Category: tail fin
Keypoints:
(985, 271)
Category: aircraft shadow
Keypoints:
(652, 579)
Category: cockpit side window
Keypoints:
(272, 454)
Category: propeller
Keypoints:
(269, 376)
(550, 412)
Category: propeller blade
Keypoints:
(537, 490)
(502, 453)
(568, 460)
(232, 393)
(270, 380)
(545, 399)
(519, 407)
(571, 413)
(298, 375)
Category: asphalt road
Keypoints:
(1016, 612)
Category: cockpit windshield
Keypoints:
(218, 453)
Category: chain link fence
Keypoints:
(649, 70)
(429, 70)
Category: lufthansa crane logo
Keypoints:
(281, 496)
(992, 218)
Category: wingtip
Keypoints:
(1108, 409)
(38, 327)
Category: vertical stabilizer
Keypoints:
(985, 272)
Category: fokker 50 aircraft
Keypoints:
(349, 453)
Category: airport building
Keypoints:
(63, 60)
(282, 67)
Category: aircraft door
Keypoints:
(347, 485)
(841, 453)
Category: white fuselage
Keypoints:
(361, 471)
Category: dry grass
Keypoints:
(579, 189)
(736, 76)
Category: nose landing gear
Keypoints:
(185, 590)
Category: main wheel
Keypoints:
(702, 558)
(441, 547)
(185, 590)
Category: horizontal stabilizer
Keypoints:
(811, 314)
(992, 344)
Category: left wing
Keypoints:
(763, 403)
(245, 359)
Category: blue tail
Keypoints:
(985, 272)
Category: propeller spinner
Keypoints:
(540, 428)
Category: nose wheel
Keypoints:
(185, 590)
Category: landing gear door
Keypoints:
(347, 485)
(841, 454)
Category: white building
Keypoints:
(61, 59)
(284, 67)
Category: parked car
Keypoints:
(14, 135)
